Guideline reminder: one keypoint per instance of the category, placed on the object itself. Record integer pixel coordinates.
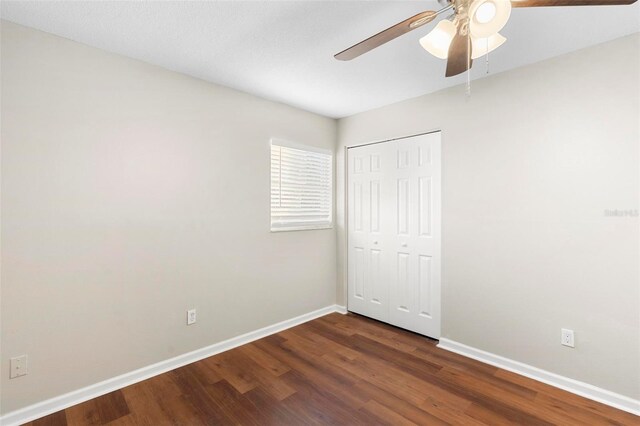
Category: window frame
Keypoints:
(298, 226)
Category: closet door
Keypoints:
(415, 250)
(369, 225)
(394, 232)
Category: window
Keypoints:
(301, 184)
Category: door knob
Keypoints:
(375, 242)
(404, 244)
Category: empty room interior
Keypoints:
(306, 212)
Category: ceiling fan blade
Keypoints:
(389, 34)
(546, 3)
(460, 52)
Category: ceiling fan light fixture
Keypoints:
(488, 17)
(482, 46)
(437, 42)
(486, 12)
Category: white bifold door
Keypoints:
(394, 232)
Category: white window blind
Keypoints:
(301, 187)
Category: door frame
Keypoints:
(345, 248)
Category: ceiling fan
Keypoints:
(470, 32)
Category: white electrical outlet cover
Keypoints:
(191, 316)
(18, 366)
(567, 338)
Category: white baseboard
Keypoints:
(61, 402)
(586, 390)
(341, 309)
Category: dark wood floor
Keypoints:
(345, 370)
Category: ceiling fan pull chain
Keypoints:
(468, 89)
(487, 56)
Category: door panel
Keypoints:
(358, 206)
(402, 291)
(394, 217)
(375, 206)
(424, 286)
(424, 206)
(367, 199)
(358, 272)
(402, 207)
(375, 263)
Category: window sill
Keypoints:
(302, 228)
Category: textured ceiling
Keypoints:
(283, 50)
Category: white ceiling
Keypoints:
(283, 50)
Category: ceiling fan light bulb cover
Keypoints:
(480, 44)
(488, 17)
(437, 42)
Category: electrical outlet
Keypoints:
(191, 316)
(567, 338)
(18, 366)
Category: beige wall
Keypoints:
(130, 194)
(530, 163)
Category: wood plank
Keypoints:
(99, 411)
(225, 365)
(55, 419)
(264, 360)
(387, 415)
(409, 411)
(233, 404)
(313, 398)
(159, 400)
(272, 411)
(269, 382)
(316, 370)
(194, 389)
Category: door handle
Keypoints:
(375, 242)
(404, 244)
